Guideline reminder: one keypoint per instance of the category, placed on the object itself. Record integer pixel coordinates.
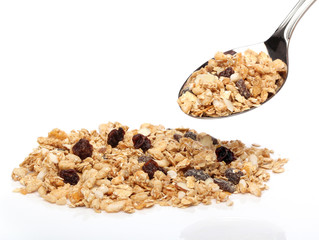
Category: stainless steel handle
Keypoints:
(287, 27)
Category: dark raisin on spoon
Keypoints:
(231, 52)
(226, 73)
(242, 88)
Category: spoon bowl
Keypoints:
(276, 47)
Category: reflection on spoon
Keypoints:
(241, 79)
(233, 229)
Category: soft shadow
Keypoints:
(233, 229)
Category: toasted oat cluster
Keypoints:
(231, 83)
(117, 169)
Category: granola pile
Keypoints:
(117, 169)
(231, 83)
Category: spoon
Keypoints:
(276, 46)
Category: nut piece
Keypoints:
(115, 206)
(207, 140)
(172, 174)
(58, 134)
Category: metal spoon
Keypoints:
(276, 46)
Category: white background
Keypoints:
(77, 64)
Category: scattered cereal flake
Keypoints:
(144, 131)
(172, 174)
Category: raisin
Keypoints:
(226, 73)
(177, 137)
(232, 176)
(83, 149)
(224, 154)
(115, 136)
(144, 158)
(69, 176)
(242, 88)
(198, 174)
(215, 140)
(150, 167)
(190, 135)
(225, 185)
(141, 141)
(231, 52)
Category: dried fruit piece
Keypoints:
(198, 174)
(242, 88)
(69, 176)
(115, 136)
(225, 185)
(141, 141)
(215, 140)
(226, 73)
(83, 149)
(150, 167)
(224, 154)
(191, 135)
(233, 176)
(231, 52)
(177, 137)
(144, 158)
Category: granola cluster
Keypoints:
(116, 169)
(231, 83)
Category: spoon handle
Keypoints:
(287, 27)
